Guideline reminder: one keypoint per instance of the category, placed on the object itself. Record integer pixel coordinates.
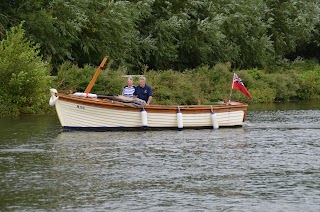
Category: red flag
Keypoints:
(238, 85)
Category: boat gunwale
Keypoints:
(96, 102)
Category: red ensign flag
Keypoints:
(238, 85)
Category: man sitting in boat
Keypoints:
(129, 89)
(143, 91)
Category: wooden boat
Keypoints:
(86, 111)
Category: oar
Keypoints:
(95, 76)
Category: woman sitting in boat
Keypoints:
(143, 91)
(129, 89)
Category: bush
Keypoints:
(203, 83)
(23, 75)
(169, 87)
(71, 77)
(309, 85)
(207, 84)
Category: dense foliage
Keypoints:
(23, 75)
(177, 34)
(185, 43)
(300, 82)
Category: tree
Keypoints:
(292, 23)
(23, 75)
(78, 30)
(178, 34)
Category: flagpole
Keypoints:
(231, 88)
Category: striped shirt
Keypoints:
(128, 92)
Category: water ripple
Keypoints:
(271, 164)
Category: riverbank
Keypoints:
(25, 80)
(206, 84)
(25, 91)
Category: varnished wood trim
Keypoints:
(187, 109)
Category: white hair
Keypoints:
(143, 78)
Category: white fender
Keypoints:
(214, 121)
(144, 118)
(53, 98)
(179, 120)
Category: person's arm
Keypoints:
(135, 94)
(124, 90)
(150, 96)
(149, 100)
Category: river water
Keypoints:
(271, 164)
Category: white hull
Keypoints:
(77, 115)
